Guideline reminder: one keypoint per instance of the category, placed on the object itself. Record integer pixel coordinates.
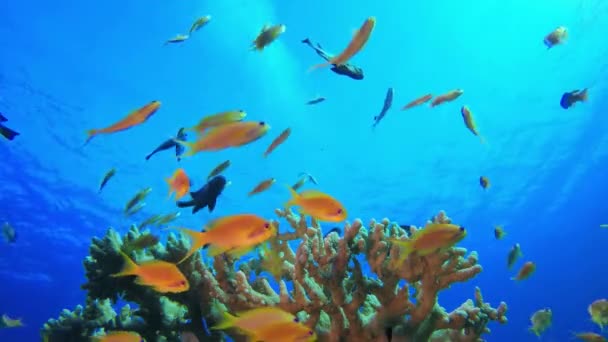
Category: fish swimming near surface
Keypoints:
(267, 35)
(170, 143)
(180, 38)
(5, 131)
(388, 102)
(356, 44)
(570, 98)
(278, 141)
(135, 118)
(106, 178)
(556, 37)
(349, 70)
(417, 102)
(199, 23)
(206, 196)
(219, 169)
(447, 97)
(315, 100)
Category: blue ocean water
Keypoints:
(68, 66)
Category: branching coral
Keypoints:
(323, 281)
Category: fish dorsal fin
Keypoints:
(313, 193)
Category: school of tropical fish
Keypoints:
(239, 234)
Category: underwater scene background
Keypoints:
(68, 66)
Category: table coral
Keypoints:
(323, 281)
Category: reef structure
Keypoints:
(322, 281)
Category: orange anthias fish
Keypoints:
(278, 141)
(7, 322)
(317, 204)
(417, 102)
(235, 235)
(225, 136)
(287, 331)
(590, 337)
(447, 97)
(179, 183)
(218, 119)
(162, 276)
(137, 117)
(433, 237)
(356, 44)
(118, 336)
(255, 319)
(525, 271)
(263, 186)
(598, 310)
(469, 122)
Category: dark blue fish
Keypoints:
(570, 98)
(5, 131)
(170, 143)
(388, 102)
(336, 230)
(206, 196)
(348, 70)
(316, 100)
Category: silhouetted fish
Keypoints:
(3, 118)
(206, 196)
(9, 233)
(388, 102)
(170, 143)
(5, 131)
(347, 69)
(336, 230)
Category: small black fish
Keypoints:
(388, 102)
(3, 118)
(407, 228)
(572, 97)
(9, 233)
(170, 143)
(206, 196)
(348, 70)
(5, 131)
(107, 178)
(336, 230)
(316, 100)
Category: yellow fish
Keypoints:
(118, 336)
(283, 332)
(317, 204)
(7, 322)
(598, 310)
(199, 23)
(262, 186)
(233, 134)
(218, 119)
(267, 35)
(469, 122)
(236, 235)
(541, 321)
(434, 236)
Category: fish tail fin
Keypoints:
(8, 133)
(91, 133)
(129, 267)
(294, 197)
(584, 95)
(405, 249)
(148, 156)
(318, 66)
(198, 240)
(306, 41)
(227, 321)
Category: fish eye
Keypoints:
(183, 282)
(296, 320)
(262, 123)
(462, 228)
(310, 332)
(340, 211)
(266, 225)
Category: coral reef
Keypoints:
(323, 281)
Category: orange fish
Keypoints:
(287, 331)
(433, 237)
(218, 120)
(118, 336)
(263, 186)
(235, 235)
(136, 117)
(225, 136)
(278, 141)
(162, 276)
(255, 319)
(525, 271)
(590, 337)
(356, 44)
(317, 204)
(447, 97)
(469, 122)
(418, 101)
(179, 183)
